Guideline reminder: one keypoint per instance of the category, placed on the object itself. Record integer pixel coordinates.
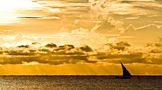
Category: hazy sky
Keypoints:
(80, 21)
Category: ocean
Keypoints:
(79, 83)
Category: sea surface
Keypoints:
(79, 83)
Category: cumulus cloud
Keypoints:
(71, 54)
(76, 37)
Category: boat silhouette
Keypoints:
(125, 73)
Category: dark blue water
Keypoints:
(79, 83)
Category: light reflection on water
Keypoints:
(79, 83)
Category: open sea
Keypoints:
(79, 83)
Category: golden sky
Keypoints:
(78, 21)
(83, 22)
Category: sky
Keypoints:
(90, 22)
(85, 22)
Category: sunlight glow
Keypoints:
(9, 9)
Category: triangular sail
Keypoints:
(126, 73)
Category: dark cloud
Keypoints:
(77, 1)
(30, 17)
(69, 54)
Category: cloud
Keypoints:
(142, 35)
(97, 21)
(109, 26)
(76, 37)
(126, 9)
(45, 17)
(69, 54)
(81, 37)
(92, 37)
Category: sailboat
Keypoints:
(126, 73)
